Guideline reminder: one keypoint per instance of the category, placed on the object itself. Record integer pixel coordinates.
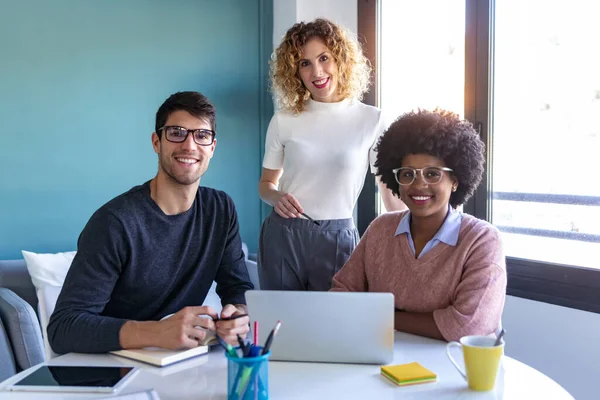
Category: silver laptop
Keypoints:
(338, 327)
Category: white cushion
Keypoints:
(48, 272)
(48, 269)
(47, 297)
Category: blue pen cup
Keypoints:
(248, 378)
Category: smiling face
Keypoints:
(185, 162)
(422, 199)
(318, 71)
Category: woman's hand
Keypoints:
(287, 206)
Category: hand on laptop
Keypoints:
(229, 329)
(186, 328)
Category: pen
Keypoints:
(228, 348)
(310, 219)
(245, 373)
(243, 346)
(244, 384)
(271, 337)
(254, 351)
(230, 318)
(248, 374)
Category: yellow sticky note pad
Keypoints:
(408, 374)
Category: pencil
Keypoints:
(255, 333)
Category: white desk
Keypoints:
(205, 377)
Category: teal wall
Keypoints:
(80, 83)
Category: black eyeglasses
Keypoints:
(431, 175)
(178, 134)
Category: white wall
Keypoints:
(287, 12)
(343, 12)
(284, 16)
(560, 342)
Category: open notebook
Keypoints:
(163, 357)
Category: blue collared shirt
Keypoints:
(448, 232)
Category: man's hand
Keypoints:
(228, 330)
(181, 330)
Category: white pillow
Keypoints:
(48, 272)
(47, 297)
(48, 269)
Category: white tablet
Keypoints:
(75, 378)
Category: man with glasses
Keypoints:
(156, 249)
(446, 269)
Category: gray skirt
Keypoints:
(297, 254)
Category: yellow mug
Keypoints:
(482, 359)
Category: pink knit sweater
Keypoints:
(464, 286)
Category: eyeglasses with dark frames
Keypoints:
(178, 134)
(431, 175)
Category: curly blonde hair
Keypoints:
(354, 69)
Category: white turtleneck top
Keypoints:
(325, 152)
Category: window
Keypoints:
(421, 57)
(546, 130)
(526, 74)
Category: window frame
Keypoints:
(368, 15)
(568, 286)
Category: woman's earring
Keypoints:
(454, 188)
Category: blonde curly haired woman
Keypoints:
(317, 152)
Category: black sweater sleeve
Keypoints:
(76, 324)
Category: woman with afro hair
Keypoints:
(446, 269)
(318, 149)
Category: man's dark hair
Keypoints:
(438, 133)
(194, 103)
